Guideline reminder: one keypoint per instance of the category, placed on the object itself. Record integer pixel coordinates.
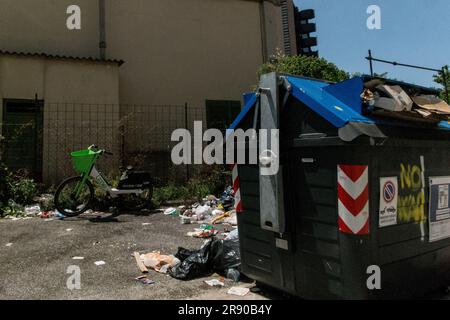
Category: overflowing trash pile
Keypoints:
(406, 103)
(215, 255)
(219, 252)
(211, 211)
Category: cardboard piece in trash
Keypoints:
(397, 100)
(139, 262)
(432, 103)
(238, 291)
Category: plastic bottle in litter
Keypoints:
(233, 274)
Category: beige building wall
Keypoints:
(176, 51)
(81, 105)
(40, 26)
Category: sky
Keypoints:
(412, 32)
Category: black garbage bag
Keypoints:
(192, 263)
(225, 255)
(214, 256)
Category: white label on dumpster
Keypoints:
(439, 213)
(388, 201)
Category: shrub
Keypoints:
(4, 184)
(23, 190)
(16, 191)
(170, 192)
(209, 180)
(312, 67)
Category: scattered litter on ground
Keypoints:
(171, 212)
(14, 218)
(146, 223)
(185, 219)
(68, 230)
(32, 210)
(51, 215)
(228, 217)
(58, 215)
(9, 244)
(144, 280)
(139, 262)
(232, 218)
(201, 213)
(215, 283)
(233, 235)
(157, 261)
(46, 214)
(78, 258)
(217, 212)
(100, 263)
(238, 291)
(205, 231)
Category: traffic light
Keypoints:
(303, 29)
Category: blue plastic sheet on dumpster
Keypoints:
(339, 103)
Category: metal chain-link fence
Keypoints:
(138, 135)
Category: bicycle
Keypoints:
(75, 195)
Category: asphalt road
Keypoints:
(35, 255)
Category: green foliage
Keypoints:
(16, 191)
(4, 184)
(198, 189)
(170, 192)
(439, 79)
(311, 67)
(23, 190)
(13, 209)
(210, 180)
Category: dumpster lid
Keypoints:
(338, 103)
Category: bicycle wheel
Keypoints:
(137, 202)
(66, 200)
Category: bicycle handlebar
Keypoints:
(102, 150)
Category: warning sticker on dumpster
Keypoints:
(439, 214)
(388, 201)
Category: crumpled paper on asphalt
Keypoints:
(159, 262)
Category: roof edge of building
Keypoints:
(59, 57)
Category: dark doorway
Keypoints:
(220, 114)
(22, 130)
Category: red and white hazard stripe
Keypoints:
(236, 188)
(353, 199)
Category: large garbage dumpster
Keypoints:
(359, 208)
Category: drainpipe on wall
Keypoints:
(262, 14)
(102, 29)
